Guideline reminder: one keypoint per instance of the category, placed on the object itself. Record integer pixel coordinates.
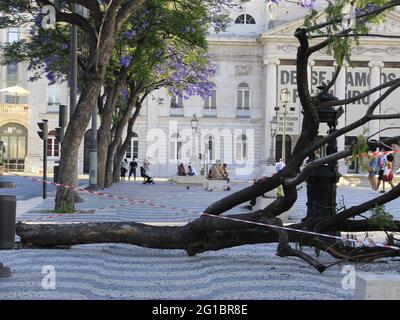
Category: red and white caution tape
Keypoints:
(343, 238)
(152, 204)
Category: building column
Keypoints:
(340, 93)
(271, 76)
(375, 80)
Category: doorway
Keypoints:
(15, 137)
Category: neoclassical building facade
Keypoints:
(255, 59)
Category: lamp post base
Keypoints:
(5, 272)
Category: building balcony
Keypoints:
(176, 112)
(210, 112)
(242, 113)
(13, 108)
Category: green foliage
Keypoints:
(360, 149)
(341, 18)
(381, 219)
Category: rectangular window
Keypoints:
(12, 74)
(246, 100)
(135, 149)
(53, 98)
(177, 102)
(53, 148)
(239, 99)
(13, 34)
(211, 101)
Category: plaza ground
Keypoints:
(121, 271)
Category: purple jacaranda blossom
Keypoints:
(125, 61)
(308, 4)
(130, 34)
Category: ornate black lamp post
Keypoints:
(321, 183)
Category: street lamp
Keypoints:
(194, 122)
(321, 182)
(274, 129)
(285, 98)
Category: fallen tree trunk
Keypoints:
(203, 234)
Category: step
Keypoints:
(377, 286)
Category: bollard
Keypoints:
(5, 272)
(8, 208)
(56, 173)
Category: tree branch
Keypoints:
(356, 210)
(314, 165)
(360, 96)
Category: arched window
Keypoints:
(241, 147)
(245, 19)
(53, 146)
(243, 96)
(175, 147)
(15, 138)
(133, 149)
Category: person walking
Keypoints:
(124, 168)
(381, 171)
(388, 172)
(373, 170)
(132, 169)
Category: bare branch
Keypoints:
(384, 116)
(370, 14)
(331, 83)
(314, 165)
(356, 35)
(126, 10)
(360, 96)
(356, 210)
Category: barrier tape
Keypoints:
(103, 194)
(366, 154)
(367, 242)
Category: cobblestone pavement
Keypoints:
(121, 271)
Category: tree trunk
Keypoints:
(104, 136)
(118, 157)
(124, 146)
(201, 235)
(65, 198)
(117, 140)
(93, 81)
(109, 168)
(103, 139)
(205, 233)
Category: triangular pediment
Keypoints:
(287, 28)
